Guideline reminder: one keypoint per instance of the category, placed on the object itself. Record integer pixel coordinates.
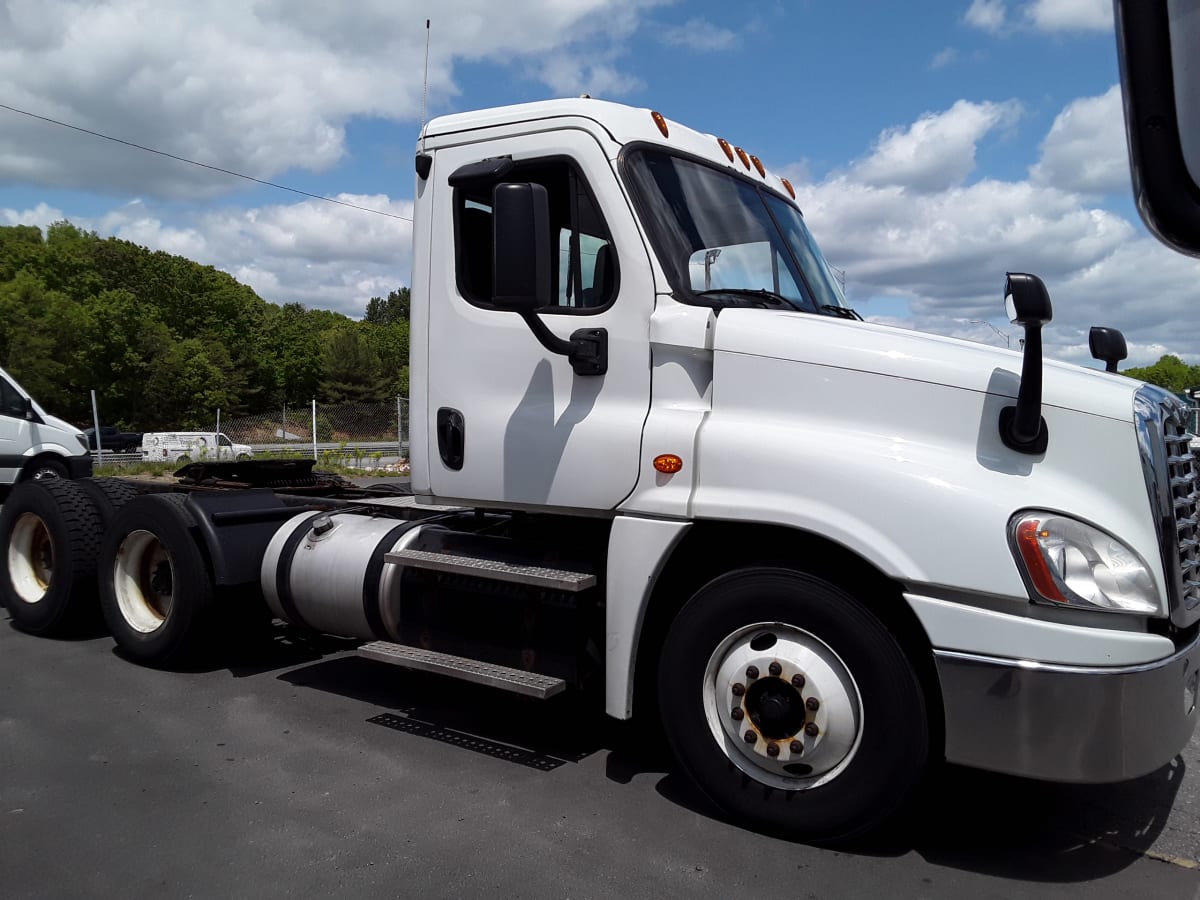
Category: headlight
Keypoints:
(83, 441)
(1070, 563)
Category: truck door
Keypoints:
(509, 421)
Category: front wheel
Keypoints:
(792, 706)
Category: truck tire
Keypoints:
(790, 705)
(50, 532)
(155, 588)
(109, 495)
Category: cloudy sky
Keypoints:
(935, 146)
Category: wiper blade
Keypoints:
(760, 296)
(842, 312)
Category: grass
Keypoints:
(168, 469)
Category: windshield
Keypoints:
(725, 241)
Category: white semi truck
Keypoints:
(656, 456)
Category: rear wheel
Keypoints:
(109, 494)
(791, 705)
(49, 532)
(155, 588)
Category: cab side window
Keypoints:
(12, 403)
(585, 272)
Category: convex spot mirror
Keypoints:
(1107, 345)
(1026, 300)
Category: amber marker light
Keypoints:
(791, 190)
(660, 122)
(668, 463)
(1029, 533)
(725, 148)
(759, 166)
(742, 156)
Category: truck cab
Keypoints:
(657, 460)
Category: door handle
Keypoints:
(451, 437)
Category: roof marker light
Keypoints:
(791, 190)
(660, 122)
(724, 144)
(743, 157)
(758, 165)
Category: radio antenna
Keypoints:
(425, 87)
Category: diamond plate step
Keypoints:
(494, 569)
(518, 681)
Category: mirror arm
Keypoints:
(586, 350)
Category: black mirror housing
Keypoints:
(1107, 345)
(521, 246)
(1026, 300)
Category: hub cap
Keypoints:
(30, 558)
(143, 581)
(782, 706)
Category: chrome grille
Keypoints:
(1182, 482)
(1170, 470)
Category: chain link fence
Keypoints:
(367, 436)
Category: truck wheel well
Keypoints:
(710, 549)
(44, 458)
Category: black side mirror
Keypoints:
(28, 411)
(1027, 302)
(1156, 43)
(1107, 344)
(521, 246)
(521, 264)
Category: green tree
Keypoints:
(394, 309)
(353, 372)
(1169, 372)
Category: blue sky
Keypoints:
(934, 145)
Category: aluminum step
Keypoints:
(518, 681)
(494, 569)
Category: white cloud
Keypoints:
(1085, 150)
(987, 15)
(1070, 15)
(943, 247)
(935, 152)
(41, 215)
(699, 34)
(943, 58)
(263, 87)
(316, 253)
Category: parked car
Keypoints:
(191, 446)
(114, 439)
(35, 444)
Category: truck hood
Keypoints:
(918, 357)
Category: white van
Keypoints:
(192, 446)
(34, 444)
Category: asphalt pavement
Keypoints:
(295, 769)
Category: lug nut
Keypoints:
(775, 669)
(813, 703)
(797, 748)
(752, 672)
(811, 729)
(772, 749)
(737, 713)
(750, 737)
(739, 689)
(798, 681)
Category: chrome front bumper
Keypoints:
(1068, 723)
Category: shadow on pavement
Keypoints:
(964, 819)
